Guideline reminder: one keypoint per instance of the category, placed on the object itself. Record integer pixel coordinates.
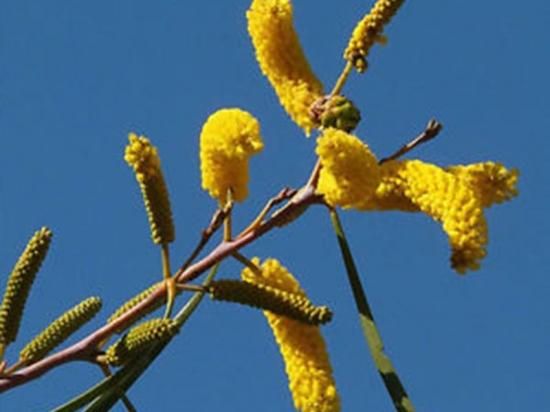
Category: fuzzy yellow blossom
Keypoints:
(369, 31)
(143, 158)
(282, 60)
(302, 346)
(412, 184)
(228, 139)
(350, 174)
(491, 181)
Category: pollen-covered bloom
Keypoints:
(455, 196)
(302, 346)
(282, 60)
(369, 31)
(350, 174)
(228, 139)
(412, 185)
(491, 181)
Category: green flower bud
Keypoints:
(340, 113)
(280, 302)
(138, 339)
(19, 284)
(59, 330)
(131, 303)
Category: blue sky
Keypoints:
(76, 77)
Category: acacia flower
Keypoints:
(455, 197)
(349, 174)
(302, 346)
(444, 197)
(491, 181)
(228, 139)
(282, 60)
(369, 31)
(143, 158)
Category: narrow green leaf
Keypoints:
(389, 375)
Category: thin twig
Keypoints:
(339, 85)
(285, 194)
(227, 223)
(432, 130)
(167, 276)
(248, 263)
(215, 223)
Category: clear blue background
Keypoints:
(76, 77)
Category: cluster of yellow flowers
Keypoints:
(302, 345)
(350, 176)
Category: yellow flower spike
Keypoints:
(139, 339)
(413, 185)
(143, 157)
(350, 174)
(369, 31)
(59, 330)
(302, 346)
(292, 305)
(19, 284)
(282, 59)
(228, 139)
(491, 181)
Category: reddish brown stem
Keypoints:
(83, 349)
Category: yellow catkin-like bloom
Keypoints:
(282, 60)
(492, 182)
(59, 330)
(19, 284)
(228, 139)
(369, 31)
(139, 339)
(350, 174)
(303, 349)
(143, 157)
(412, 184)
(277, 301)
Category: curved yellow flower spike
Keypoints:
(144, 159)
(412, 184)
(282, 60)
(491, 181)
(349, 175)
(228, 138)
(369, 31)
(302, 346)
